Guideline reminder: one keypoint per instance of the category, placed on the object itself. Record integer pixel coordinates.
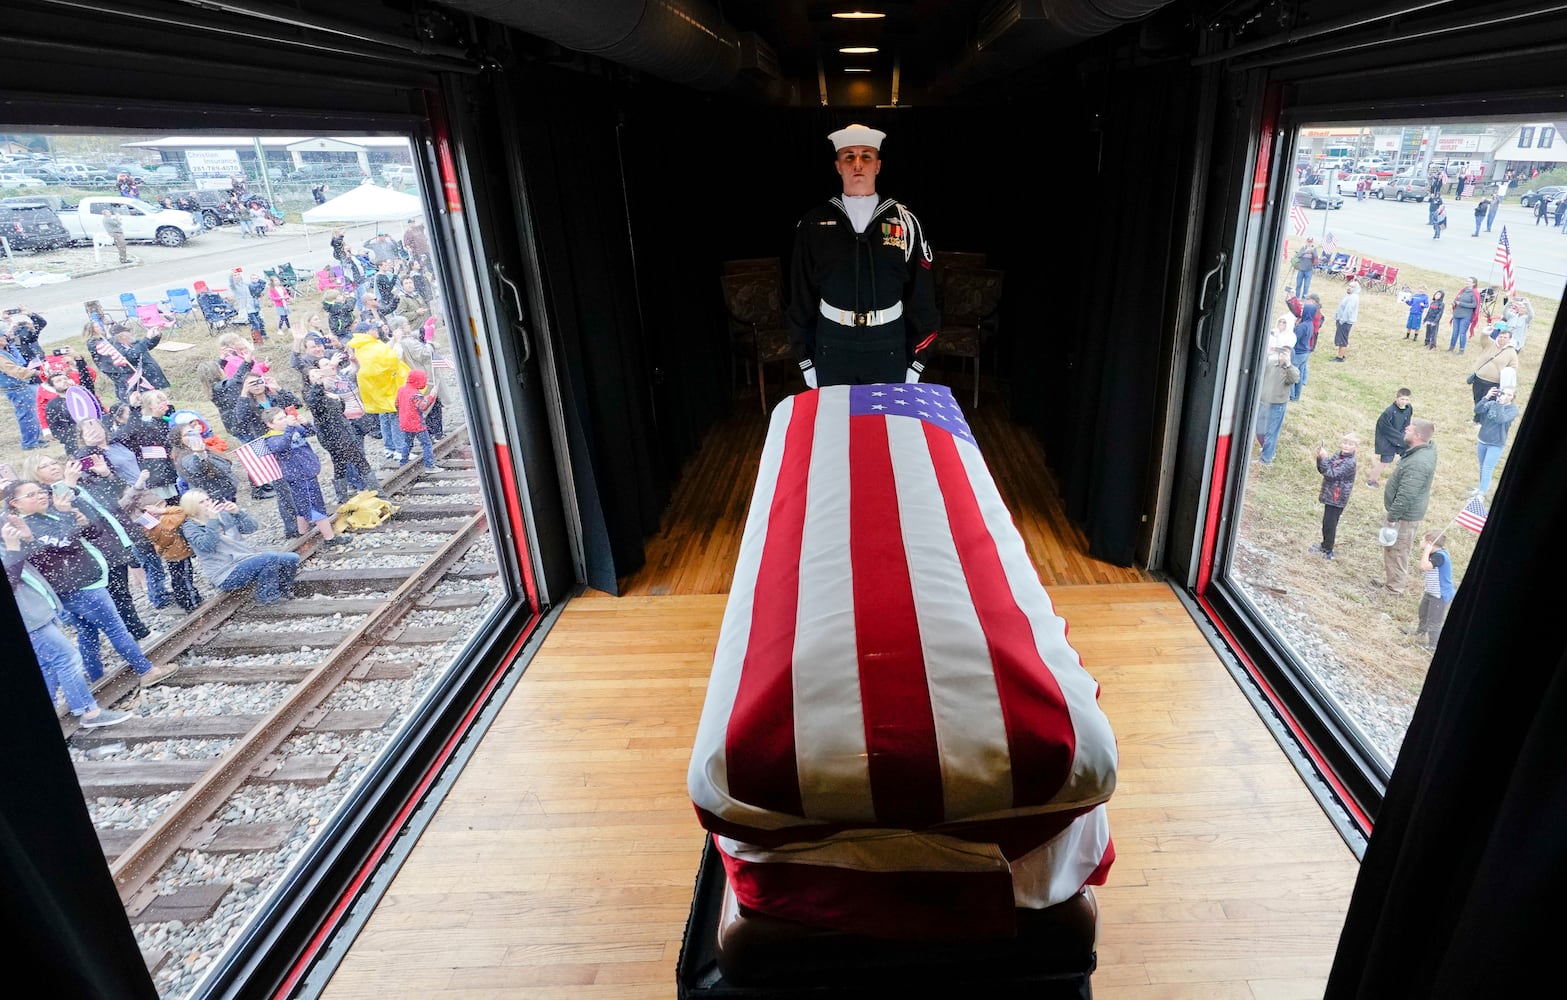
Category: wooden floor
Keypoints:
(561, 864)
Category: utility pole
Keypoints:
(266, 176)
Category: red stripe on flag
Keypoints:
(261, 468)
(900, 726)
(901, 905)
(759, 742)
(1040, 738)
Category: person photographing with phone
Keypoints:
(1495, 413)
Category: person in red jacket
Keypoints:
(412, 404)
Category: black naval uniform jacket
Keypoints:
(861, 274)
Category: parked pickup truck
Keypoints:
(143, 223)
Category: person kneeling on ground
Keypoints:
(215, 530)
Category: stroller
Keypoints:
(216, 310)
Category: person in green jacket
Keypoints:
(1405, 498)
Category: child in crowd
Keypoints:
(1338, 481)
(234, 351)
(200, 467)
(412, 404)
(1436, 568)
(1417, 315)
(1434, 317)
(1389, 440)
(287, 439)
(280, 296)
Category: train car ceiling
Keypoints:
(937, 52)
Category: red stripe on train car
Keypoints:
(1210, 527)
(1270, 120)
(519, 526)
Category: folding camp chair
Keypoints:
(128, 303)
(1337, 265)
(325, 280)
(151, 317)
(270, 272)
(1387, 282)
(287, 276)
(215, 309)
(180, 302)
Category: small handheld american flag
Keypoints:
(261, 468)
(438, 361)
(1473, 515)
(147, 519)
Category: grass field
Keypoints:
(1281, 516)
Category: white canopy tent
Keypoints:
(366, 203)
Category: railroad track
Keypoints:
(269, 680)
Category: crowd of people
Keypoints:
(1403, 464)
(120, 487)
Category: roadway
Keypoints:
(209, 257)
(1389, 230)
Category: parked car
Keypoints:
(1406, 188)
(9, 179)
(397, 174)
(1349, 183)
(325, 172)
(31, 225)
(214, 205)
(1528, 198)
(1317, 196)
(143, 223)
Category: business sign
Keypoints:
(1387, 143)
(213, 162)
(1458, 144)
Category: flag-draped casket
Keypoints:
(897, 738)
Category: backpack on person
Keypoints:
(167, 539)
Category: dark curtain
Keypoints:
(569, 125)
(1460, 892)
(1102, 295)
(63, 921)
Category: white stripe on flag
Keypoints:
(261, 468)
(829, 718)
(707, 780)
(970, 727)
(1078, 687)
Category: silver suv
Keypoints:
(1409, 187)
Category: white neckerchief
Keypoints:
(860, 208)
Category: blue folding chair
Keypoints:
(180, 302)
(128, 303)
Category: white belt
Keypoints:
(848, 317)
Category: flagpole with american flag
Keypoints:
(1504, 257)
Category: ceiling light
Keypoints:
(858, 15)
(859, 50)
(856, 69)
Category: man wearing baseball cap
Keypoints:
(862, 303)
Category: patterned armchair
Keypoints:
(969, 302)
(760, 336)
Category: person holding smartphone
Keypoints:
(1495, 413)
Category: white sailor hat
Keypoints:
(857, 135)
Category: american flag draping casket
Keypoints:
(897, 738)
